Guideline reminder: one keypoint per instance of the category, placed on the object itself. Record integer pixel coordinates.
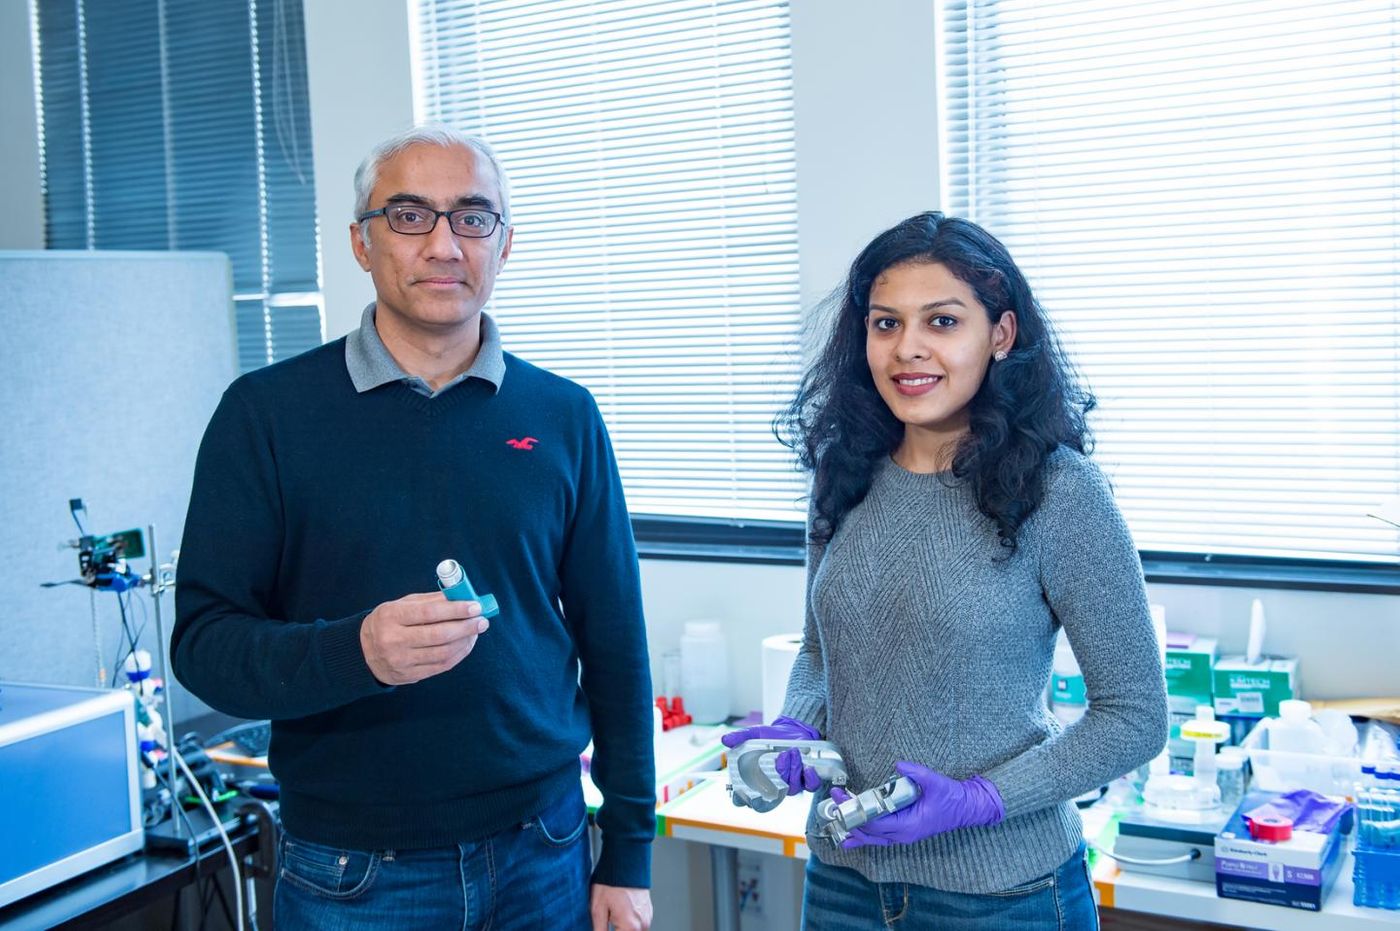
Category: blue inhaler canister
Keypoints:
(452, 579)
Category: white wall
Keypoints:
(109, 382)
(867, 128)
(19, 142)
(1347, 643)
(361, 91)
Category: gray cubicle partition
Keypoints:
(110, 366)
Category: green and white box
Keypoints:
(1189, 671)
(1254, 689)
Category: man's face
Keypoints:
(439, 281)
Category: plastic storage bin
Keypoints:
(1283, 770)
(1376, 877)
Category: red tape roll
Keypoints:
(1270, 828)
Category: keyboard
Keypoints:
(252, 737)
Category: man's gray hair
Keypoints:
(367, 175)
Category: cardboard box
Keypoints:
(1295, 873)
(1189, 670)
(1242, 688)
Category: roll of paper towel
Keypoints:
(779, 652)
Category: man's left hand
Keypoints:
(620, 908)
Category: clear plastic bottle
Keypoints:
(705, 672)
(1378, 807)
(1068, 700)
(1229, 775)
(1375, 874)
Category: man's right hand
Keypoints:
(419, 636)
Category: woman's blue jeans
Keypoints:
(532, 875)
(838, 899)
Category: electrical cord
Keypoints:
(145, 615)
(1193, 854)
(175, 807)
(130, 645)
(223, 835)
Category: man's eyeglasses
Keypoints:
(416, 220)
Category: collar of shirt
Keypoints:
(371, 365)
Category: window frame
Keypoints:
(780, 543)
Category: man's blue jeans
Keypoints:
(838, 899)
(529, 876)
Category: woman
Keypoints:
(956, 524)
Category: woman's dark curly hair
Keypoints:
(1027, 405)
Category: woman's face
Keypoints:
(928, 343)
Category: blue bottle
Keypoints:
(452, 579)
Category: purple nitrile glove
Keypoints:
(943, 804)
(1308, 810)
(789, 762)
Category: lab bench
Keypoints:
(705, 814)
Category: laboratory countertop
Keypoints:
(1186, 898)
(684, 755)
(706, 814)
(693, 804)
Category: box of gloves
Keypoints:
(1282, 848)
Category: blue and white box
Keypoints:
(70, 790)
(1296, 873)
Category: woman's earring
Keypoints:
(999, 355)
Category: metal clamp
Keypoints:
(837, 821)
(753, 769)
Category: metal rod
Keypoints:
(724, 865)
(158, 589)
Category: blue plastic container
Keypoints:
(1376, 877)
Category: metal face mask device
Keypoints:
(753, 772)
(837, 821)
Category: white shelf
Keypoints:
(1197, 901)
(1184, 898)
(706, 814)
(683, 756)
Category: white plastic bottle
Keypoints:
(1294, 730)
(705, 672)
(1068, 700)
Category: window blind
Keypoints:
(650, 150)
(1205, 198)
(183, 124)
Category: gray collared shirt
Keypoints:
(371, 365)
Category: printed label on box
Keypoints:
(1249, 703)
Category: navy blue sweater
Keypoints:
(312, 504)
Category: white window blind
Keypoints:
(184, 124)
(1206, 199)
(650, 149)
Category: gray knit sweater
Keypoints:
(924, 642)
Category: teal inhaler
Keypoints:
(452, 579)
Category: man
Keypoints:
(428, 757)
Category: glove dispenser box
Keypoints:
(70, 793)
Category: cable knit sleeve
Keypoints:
(1092, 579)
(806, 691)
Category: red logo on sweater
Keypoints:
(527, 443)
